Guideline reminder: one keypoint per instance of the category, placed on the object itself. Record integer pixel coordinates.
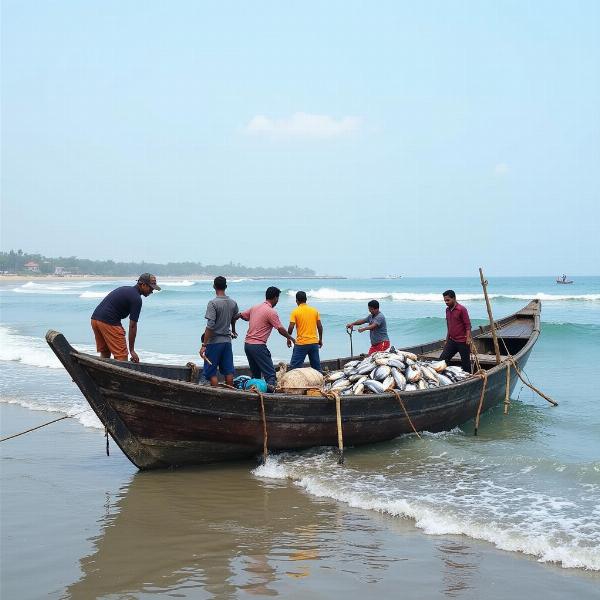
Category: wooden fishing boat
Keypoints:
(564, 281)
(161, 417)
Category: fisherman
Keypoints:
(216, 347)
(458, 338)
(377, 328)
(106, 319)
(262, 320)
(310, 333)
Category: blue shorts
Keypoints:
(221, 356)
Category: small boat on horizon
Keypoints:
(563, 280)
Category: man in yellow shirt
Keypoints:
(310, 334)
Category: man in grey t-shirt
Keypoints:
(377, 328)
(216, 347)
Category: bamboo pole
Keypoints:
(484, 284)
(507, 392)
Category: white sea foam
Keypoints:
(80, 410)
(336, 294)
(175, 283)
(513, 519)
(34, 351)
(89, 294)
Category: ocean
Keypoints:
(529, 484)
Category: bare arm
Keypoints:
(291, 327)
(320, 330)
(132, 334)
(359, 322)
(368, 327)
(282, 331)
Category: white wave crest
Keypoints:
(175, 283)
(335, 294)
(551, 538)
(94, 294)
(79, 410)
(35, 352)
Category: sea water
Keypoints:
(530, 482)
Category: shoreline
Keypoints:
(34, 277)
(253, 534)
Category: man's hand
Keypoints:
(202, 352)
(233, 335)
(291, 340)
(320, 343)
(134, 357)
(361, 329)
(350, 327)
(289, 343)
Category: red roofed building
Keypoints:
(32, 266)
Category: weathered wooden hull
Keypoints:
(161, 419)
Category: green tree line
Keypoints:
(14, 262)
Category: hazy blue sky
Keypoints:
(357, 138)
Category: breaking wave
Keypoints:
(335, 294)
(480, 509)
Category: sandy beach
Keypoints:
(78, 524)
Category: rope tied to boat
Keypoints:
(10, 437)
(194, 371)
(264, 422)
(397, 394)
(334, 395)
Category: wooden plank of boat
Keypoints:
(159, 418)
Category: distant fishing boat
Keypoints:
(388, 277)
(160, 417)
(563, 280)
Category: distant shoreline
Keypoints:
(38, 277)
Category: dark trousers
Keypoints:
(301, 351)
(260, 362)
(451, 348)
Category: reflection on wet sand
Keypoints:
(222, 532)
(219, 531)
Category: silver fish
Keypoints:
(381, 372)
(429, 373)
(444, 380)
(421, 385)
(399, 378)
(395, 362)
(374, 386)
(340, 384)
(358, 388)
(335, 375)
(382, 360)
(365, 368)
(412, 374)
(355, 377)
(388, 383)
(352, 363)
(410, 387)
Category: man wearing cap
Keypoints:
(106, 319)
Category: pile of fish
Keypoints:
(382, 372)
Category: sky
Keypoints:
(355, 138)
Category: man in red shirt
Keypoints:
(458, 338)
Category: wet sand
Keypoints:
(78, 524)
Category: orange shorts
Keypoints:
(110, 338)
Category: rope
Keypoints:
(264, 422)
(530, 385)
(397, 393)
(507, 391)
(332, 395)
(483, 374)
(10, 437)
(194, 371)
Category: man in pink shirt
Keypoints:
(262, 319)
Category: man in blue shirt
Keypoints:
(106, 319)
